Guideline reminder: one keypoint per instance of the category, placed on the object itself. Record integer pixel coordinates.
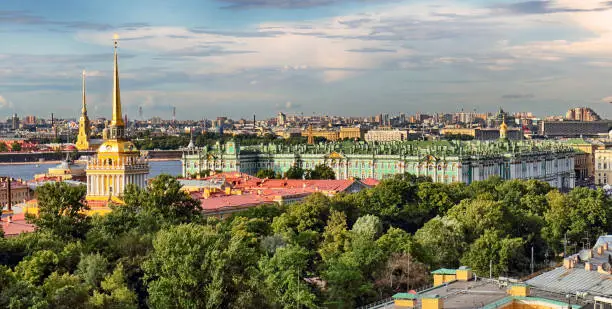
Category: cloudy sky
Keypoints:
(346, 57)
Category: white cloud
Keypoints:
(5, 104)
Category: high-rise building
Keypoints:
(117, 163)
(29, 120)
(582, 114)
(84, 124)
(281, 119)
(14, 122)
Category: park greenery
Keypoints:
(159, 250)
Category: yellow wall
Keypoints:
(440, 279)
(410, 303)
(519, 290)
(432, 303)
(464, 274)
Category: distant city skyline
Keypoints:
(237, 58)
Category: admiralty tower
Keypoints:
(117, 162)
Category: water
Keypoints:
(27, 171)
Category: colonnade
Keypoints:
(105, 185)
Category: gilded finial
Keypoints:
(116, 39)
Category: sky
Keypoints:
(237, 58)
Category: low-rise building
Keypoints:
(482, 133)
(574, 128)
(443, 161)
(327, 134)
(461, 288)
(352, 133)
(586, 275)
(386, 135)
(226, 193)
(603, 166)
(19, 191)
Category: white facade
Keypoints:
(603, 169)
(386, 135)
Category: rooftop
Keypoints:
(485, 293)
(590, 272)
(18, 225)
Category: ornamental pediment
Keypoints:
(430, 159)
(335, 155)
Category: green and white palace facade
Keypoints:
(443, 161)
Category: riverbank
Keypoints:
(59, 161)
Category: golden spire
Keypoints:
(84, 108)
(117, 119)
(310, 135)
(503, 128)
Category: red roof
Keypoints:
(18, 226)
(370, 182)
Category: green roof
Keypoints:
(405, 296)
(577, 141)
(444, 271)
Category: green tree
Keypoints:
(295, 172)
(505, 255)
(581, 213)
(36, 267)
(15, 146)
(477, 215)
(193, 266)
(266, 173)
(284, 275)
(65, 291)
(443, 242)
(163, 202)
(3, 147)
(92, 268)
(115, 292)
(321, 171)
(335, 236)
(61, 210)
(368, 226)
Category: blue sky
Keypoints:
(345, 57)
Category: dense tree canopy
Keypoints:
(159, 251)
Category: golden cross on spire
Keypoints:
(116, 39)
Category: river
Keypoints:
(27, 171)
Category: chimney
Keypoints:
(605, 246)
(568, 263)
(600, 250)
(588, 266)
(601, 270)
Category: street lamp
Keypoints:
(569, 300)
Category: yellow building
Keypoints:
(460, 288)
(66, 170)
(82, 142)
(352, 133)
(117, 163)
(328, 135)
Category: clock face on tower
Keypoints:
(108, 147)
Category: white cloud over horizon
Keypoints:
(433, 55)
